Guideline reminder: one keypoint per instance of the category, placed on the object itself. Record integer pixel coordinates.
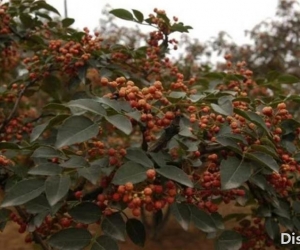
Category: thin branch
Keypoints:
(167, 135)
(14, 109)
(37, 238)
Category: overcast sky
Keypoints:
(207, 17)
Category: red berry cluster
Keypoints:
(152, 197)
(68, 57)
(254, 234)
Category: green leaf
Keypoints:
(160, 158)
(287, 223)
(129, 172)
(39, 218)
(296, 223)
(121, 122)
(265, 149)
(182, 214)
(272, 228)
(39, 204)
(70, 239)
(52, 86)
(139, 156)
(75, 161)
(67, 22)
(39, 129)
(196, 98)
(180, 27)
(9, 145)
(296, 206)
(48, 153)
(114, 226)
(136, 232)
(23, 192)
(56, 106)
(218, 220)
(26, 20)
(136, 115)
(43, 5)
(220, 110)
(4, 218)
(202, 220)
(86, 212)
(76, 129)
(264, 160)
(226, 103)
(176, 174)
(229, 142)
(177, 94)
(45, 169)
(260, 181)
(91, 173)
(110, 103)
(234, 172)
(43, 15)
(122, 14)
(229, 240)
(288, 79)
(86, 105)
(56, 187)
(138, 15)
(253, 117)
(105, 242)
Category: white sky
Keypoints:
(207, 17)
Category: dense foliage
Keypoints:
(96, 134)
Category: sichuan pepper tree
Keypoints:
(98, 134)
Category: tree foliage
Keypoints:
(95, 132)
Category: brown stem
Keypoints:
(167, 135)
(14, 109)
(37, 238)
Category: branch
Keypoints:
(36, 236)
(167, 135)
(14, 109)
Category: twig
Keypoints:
(14, 109)
(36, 236)
(167, 135)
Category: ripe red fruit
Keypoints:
(281, 105)
(22, 228)
(170, 200)
(78, 194)
(121, 189)
(137, 201)
(268, 111)
(28, 238)
(101, 197)
(129, 186)
(147, 191)
(116, 197)
(158, 189)
(151, 173)
(65, 222)
(158, 205)
(111, 152)
(169, 115)
(136, 212)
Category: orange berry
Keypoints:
(268, 111)
(129, 186)
(136, 212)
(147, 191)
(151, 173)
